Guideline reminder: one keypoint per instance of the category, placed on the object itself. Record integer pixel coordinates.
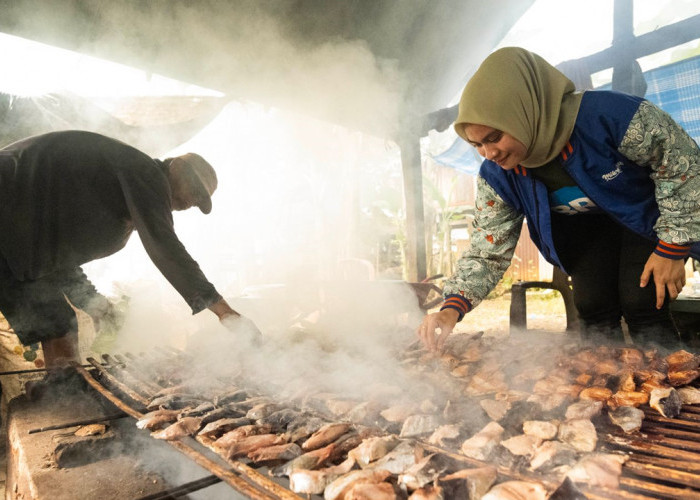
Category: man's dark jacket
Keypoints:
(67, 198)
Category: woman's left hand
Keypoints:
(668, 274)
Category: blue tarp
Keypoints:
(675, 88)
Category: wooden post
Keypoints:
(415, 217)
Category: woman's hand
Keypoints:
(668, 274)
(445, 320)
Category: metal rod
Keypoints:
(78, 423)
(234, 480)
(31, 370)
(183, 489)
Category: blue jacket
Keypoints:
(620, 187)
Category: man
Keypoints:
(67, 198)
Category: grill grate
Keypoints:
(664, 458)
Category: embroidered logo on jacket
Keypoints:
(611, 175)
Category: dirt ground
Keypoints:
(545, 312)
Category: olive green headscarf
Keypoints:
(518, 92)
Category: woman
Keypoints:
(609, 185)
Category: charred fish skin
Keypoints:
(199, 411)
(175, 402)
(233, 396)
(228, 411)
(217, 428)
(279, 419)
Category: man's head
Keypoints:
(192, 181)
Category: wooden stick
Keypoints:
(78, 423)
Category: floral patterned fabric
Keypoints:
(652, 140)
(495, 233)
(655, 140)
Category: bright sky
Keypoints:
(40, 69)
(561, 30)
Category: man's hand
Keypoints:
(668, 274)
(243, 327)
(445, 320)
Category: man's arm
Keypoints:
(222, 309)
(236, 323)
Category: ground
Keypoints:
(545, 312)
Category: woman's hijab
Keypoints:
(518, 92)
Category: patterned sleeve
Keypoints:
(495, 232)
(655, 140)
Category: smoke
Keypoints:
(284, 224)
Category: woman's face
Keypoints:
(495, 145)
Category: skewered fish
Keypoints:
(342, 485)
(373, 449)
(285, 451)
(325, 435)
(187, 426)
(313, 482)
(156, 419)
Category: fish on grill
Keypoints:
(541, 429)
(275, 453)
(249, 444)
(426, 470)
(598, 469)
(419, 425)
(313, 482)
(579, 433)
(470, 484)
(551, 454)
(175, 402)
(484, 442)
(446, 435)
(227, 411)
(584, 409)
(397, 460)
(157, 419)
(281, 418)
(627, 418)
(340, 487)
(187, 426)
(308, 461)
(522, 445)
(666, 401)
(303, 428)
(217, 428)
(628, 398)
(689, 395)
(239, 433)
(325, 435)
(516, 490)
(373, 449)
